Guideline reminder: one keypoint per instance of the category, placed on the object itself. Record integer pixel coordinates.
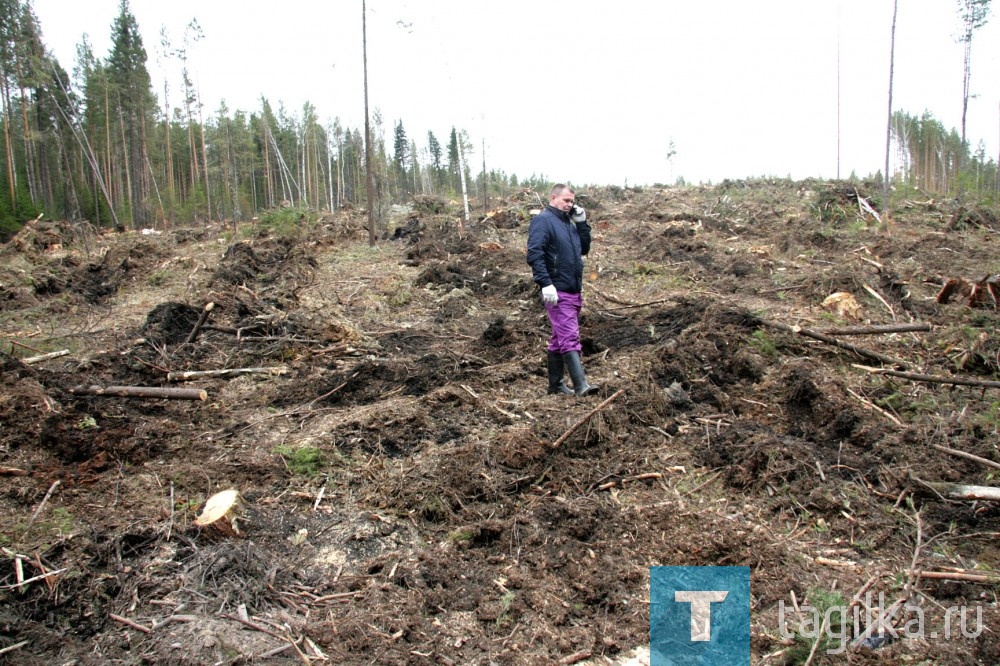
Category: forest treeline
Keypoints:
(96, 144)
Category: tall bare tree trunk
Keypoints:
(9, 146)
(369, 161)
(29, 148)
(838, 92)
(340, 173)
(888, 128)
(461, 171)
(127, 166)
(112, 185)
(974, 15)
(204, 160)
(89, 156)
(169, 154)
(268, 182)
(966, 80)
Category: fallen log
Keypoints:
(878, 330)
(141, 392)
(865, 353)
(227, 373)
(932, 379)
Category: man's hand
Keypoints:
(578, 214)
(549, 295)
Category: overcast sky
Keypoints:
(586, 92)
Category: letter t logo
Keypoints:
(701, 610)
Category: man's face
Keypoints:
(563, 200)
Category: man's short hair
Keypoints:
(558, 189)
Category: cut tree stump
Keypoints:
(982, 293)
(222, 513)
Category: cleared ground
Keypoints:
(404, 500)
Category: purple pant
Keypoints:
(565, 319)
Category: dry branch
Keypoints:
(130, 623)
(961, 491)
(201, 322)
(238, 332)
(229, 372)
(878, 624)
(256, 627)
(141, 392)
(627, 304)
(573, 428)
(872, 406)
(932, 379)
(881, 300)
(38, 509)
(44, 576)
(174, 618)
(956, 575)
(30, 360)
(967, 456)
(865, 353)
(15, 646)
(878, 330)
(278, 338)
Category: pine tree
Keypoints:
(400, 157)
(133, 105)
(454, 162)
(434, 147)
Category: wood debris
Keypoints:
(984, 293)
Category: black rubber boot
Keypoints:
(556, 385)
(575, 366)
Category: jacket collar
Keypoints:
(564, 216)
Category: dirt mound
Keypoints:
(413, 495)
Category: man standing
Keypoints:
(558, 239)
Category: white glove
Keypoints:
(578, 214)
(549, 295)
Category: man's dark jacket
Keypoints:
(556, 247)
